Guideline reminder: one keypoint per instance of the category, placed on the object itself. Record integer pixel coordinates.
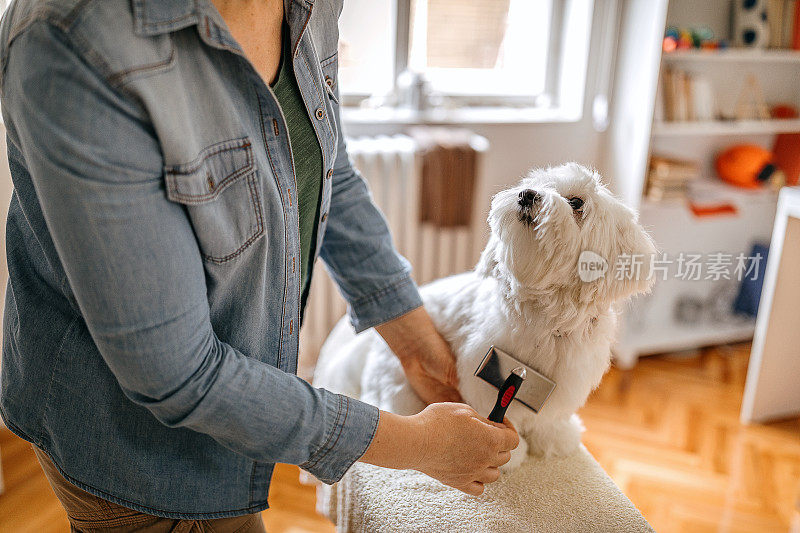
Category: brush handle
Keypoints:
(504, 396)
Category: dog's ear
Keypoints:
(488, 259)
(629, 260)
(630, 271)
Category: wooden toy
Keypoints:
(751, 104)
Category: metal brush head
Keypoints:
(497, 365)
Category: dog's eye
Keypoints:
(575, 202)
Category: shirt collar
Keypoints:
(155, 17)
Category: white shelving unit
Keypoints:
(655, 323)
(725, 127)
(734, 55)
(729, 58)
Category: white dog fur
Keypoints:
(525, 296)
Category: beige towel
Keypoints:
(572, 495)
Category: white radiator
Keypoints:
(391, 167)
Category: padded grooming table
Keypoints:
(571, 494)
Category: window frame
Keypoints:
(554, 97)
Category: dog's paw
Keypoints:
(518, 456)
(556, 439)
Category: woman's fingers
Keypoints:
(475, 488)
(509, 439)
(502, 458)
(490, 475)
(429, 387)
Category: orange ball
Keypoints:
(745, 165)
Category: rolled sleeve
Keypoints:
(385, 304)
(351, 428)
(357, 248)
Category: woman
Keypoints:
(178, 165)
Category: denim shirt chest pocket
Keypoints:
(221, 192)
(330, 68)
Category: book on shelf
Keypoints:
(783, 20)
(775, 22)
(687, 97)
(786, 156)
(796, 25)
(669, 178)
(710, 198)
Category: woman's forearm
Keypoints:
(397, 442)
(448, 441)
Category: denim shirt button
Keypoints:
(324, 217)
(320, 113)
(329, 175)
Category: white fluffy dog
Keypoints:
(526, 297)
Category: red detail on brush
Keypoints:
(507, 396)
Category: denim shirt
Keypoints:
(150, 335)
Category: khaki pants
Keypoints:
(89, 514)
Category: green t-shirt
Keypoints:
(307, 156)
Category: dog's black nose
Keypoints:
(528, 197)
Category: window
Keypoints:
(475, 52)
(481, 46)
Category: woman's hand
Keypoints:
(463, 449)
(427, 360)
(449, 442)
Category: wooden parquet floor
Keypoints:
(29, 505)
(667, 432)
(669, 435)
